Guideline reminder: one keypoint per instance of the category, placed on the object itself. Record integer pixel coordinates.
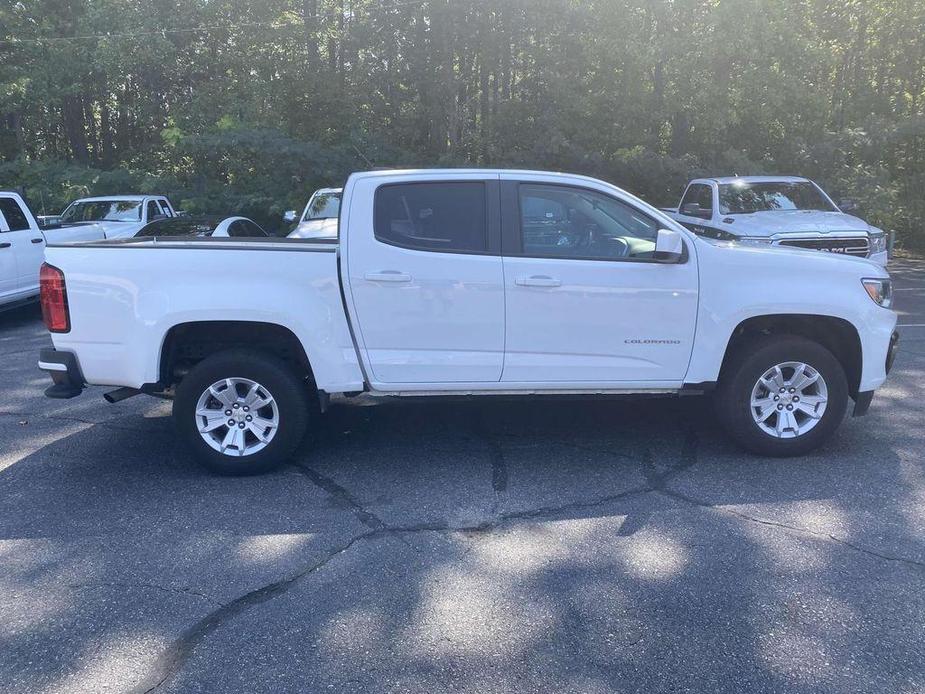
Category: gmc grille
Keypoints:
(856, 246)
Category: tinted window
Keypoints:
(103, 211)
(245, 227)
(742, 197)
(15, 217)
(563, 222)
(165, 208)
(153, 210)
(180, 226)
(701, 194)
(433, 216)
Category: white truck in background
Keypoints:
(117, 216)
(319, 218)
(22, 248)
(468, 282)
(786, 211)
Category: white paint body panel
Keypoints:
(440, 321)
(455, 323)
(125, 298)
(605, 321)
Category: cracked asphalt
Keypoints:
(480, 546)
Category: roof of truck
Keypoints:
(106, 198)
(757, 179)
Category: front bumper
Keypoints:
(881, 258)
(863, 399)
(891, 352)
(65, 373)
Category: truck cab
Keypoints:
(786, 211)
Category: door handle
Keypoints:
(37, 240)
(538, 281)
(388, 276)
(5, 244)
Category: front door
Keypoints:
(426, 280)
(586, 302)
(22, 249)
(9, 272)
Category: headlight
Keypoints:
(877, 243)
(880, 290)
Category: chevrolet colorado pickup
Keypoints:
(778, 210)
(467, 282)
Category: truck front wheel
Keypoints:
(241, 412)
(782, 395)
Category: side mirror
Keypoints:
(289, 216)
(669, 246)
(847, 206)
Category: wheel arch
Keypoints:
(186, 344)
(837, 335)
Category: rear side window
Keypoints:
(15, 217)
(153, 210)
(447, 217)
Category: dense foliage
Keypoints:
(248, 105)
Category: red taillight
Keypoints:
(54, 299)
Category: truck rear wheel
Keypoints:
(782, 395)
(241, 412)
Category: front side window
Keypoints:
(323, 206)
(563, 222)
(700, 194)
(15, 218)
(103, 211)
(742, 197)
(448, 217)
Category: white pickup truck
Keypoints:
(451, 282)
(784, 211)
(22, 248)
(117, 216)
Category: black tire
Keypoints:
(288, 392)
(732, 398)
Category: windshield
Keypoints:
(746, 198)
(103, 211)
(323, 206)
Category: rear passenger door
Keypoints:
(425, 278)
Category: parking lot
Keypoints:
(494, 545)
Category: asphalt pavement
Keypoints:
(479, 546)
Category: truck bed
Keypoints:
(119, 288)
